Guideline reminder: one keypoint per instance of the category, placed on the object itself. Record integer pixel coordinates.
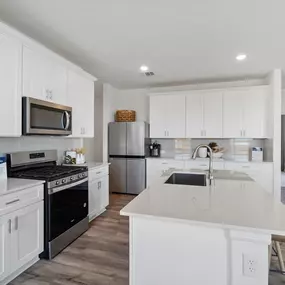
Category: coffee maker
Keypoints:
(154, 149)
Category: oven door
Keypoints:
(45, 118)
(67, 205)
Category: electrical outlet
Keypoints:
(250, 265)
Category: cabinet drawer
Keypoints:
(242, 166)
(17, 200)
(196, 164)
(98, 172)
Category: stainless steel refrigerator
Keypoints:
(128, 149)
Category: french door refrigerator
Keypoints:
(128, 149)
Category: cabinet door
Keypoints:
(233, 102)
(27, 234)
(80, 96)
(34, 75)
(57, 82)
(104, 191)
(213, 114)
(157, 116)
(255, 113)
(10, 87)
(94, 202)
(194, 116)
(5, 246)
(87, 106)
(175, 116)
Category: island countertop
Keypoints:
(234, 201)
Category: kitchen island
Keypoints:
(213, 234)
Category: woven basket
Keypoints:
(125, 116)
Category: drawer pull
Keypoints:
(98, 172)
(16, 223)
(12, 202)
(203, 165)
(10, 226)
(164, 162)
(245, 166)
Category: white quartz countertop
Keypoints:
(234, 201)
(91, 164)
(11, 185)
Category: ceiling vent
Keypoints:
(149, 73)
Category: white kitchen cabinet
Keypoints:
(27, 234)
(156, 167)
(98, 191)
(10, 87)
(245, 113)
(194, 116)
(203, 164)
(167, 116)
(204, 114)
(43, 77)
(80, 96)
(5, 245)
(262, 172)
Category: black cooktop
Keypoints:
(49, 172)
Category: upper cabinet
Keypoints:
(204, 114)
(80, 96)
(167, 116)
(43, 77)
(245, 113)
(10, 87)
(225, 113)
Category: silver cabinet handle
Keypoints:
(98, 185)
(12, 202)
(98, 172)
(201, 133)
(10, 226)
(16, 223)
(244, 133)
(165, 133)
(241, 133)
(204, 132)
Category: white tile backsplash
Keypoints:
(235, 149)
(30, 143)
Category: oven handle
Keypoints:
(58, 189)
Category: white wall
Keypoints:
(276, 85)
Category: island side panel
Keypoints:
(168, 252)
(172, 252)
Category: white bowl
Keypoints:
(217, 154)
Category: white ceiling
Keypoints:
(181, 40)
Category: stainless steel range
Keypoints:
(65, 196)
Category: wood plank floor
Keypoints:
(98, 257)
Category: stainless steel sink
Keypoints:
(187, 179)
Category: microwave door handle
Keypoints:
(65, 113)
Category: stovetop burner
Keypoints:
(49, 172)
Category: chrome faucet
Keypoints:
(211, 177)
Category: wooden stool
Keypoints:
(276, 240)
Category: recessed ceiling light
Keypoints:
(241, 57)
(144, 68)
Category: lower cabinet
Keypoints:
(262, 173)
(21, 239)
(98, 192)
(156, 167)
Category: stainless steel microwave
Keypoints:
(45, 118)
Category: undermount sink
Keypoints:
(187, 179)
